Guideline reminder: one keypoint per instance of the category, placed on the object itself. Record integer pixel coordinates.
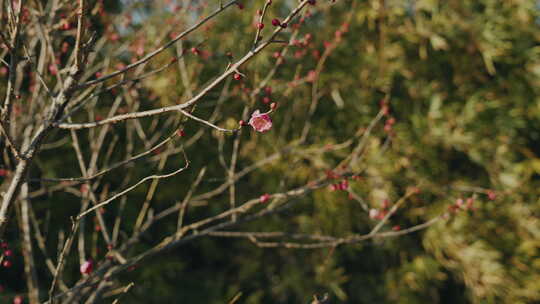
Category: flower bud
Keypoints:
(87, 267)
(264, 198)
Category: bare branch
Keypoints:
(160, 49)
(233, 68)
(121, 193)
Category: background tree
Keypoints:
(133, 168)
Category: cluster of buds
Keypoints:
(304, 41)
(343, 185)
(389, 124)
(7, 254)
(276, 22)
(259, 25)
(379, 214)
(303, 46)
(461, 204)
(267, 98)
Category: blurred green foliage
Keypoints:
(463, 81)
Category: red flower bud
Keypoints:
(87, 267)
(18, 300)
(264, 198)
(52, 69)
(195, 51)
(311, 76)
(65, 47)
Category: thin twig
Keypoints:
(208, 123)
(115, 166)
(121, 193)
(9, 142)
(61, 259)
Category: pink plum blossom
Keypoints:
(261, 122)
(87, 267)
(374, 213)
